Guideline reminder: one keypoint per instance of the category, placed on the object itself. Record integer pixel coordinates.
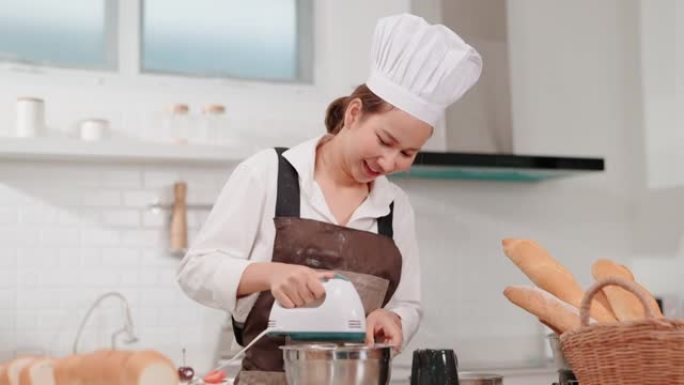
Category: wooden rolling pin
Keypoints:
(179, 221)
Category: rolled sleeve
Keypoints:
(210, 272)
(406, 301)
(212, 278)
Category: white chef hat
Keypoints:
(420, 68)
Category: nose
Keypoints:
(388, 161)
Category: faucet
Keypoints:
(127, 329)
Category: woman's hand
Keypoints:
(384, 326)
(297, 285)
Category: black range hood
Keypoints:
(501, 167)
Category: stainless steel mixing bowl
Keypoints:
(332, 364)
(471, 378)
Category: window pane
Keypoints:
(69, 33)
(247, 39)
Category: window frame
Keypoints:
(124, 40)
(304, 49)
(111, 64)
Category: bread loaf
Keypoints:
(89, 369)
(38, 372)
(111, 369)
(625, 305)
(102, 367)
(149, 367)
(4, 378)
(66, 370)
(553, 312)
(15, 366)
(550, 275)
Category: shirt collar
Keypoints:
(303, 159)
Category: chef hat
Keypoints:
(420, 68)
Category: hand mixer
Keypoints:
(340, 317)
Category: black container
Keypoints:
(434, 367)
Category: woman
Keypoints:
(288, 218)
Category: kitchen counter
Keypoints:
(512, 376)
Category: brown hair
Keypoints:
(370, 104)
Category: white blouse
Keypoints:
(240, 230)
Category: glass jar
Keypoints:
(216, 125)
(178, 124)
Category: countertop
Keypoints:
(512, 376)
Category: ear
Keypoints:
(353, 113)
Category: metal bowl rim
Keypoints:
(479, 376)
(330, 347)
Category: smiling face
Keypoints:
(381, 143)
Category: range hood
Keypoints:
(478, 139)
(500, 167)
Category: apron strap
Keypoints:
(385, 223)
(287, 201)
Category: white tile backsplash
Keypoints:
(61, 237)
(102, 198)
(140, 198)
(121, 218)
(64, 243)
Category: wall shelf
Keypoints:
(431, 165)
(120, 151)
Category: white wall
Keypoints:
(576, 91)
(481, 120)
(662, 60)
(71, 231)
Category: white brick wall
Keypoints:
(69, 233)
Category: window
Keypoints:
(256, 39)
(73, 33)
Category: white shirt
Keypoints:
(240, 230)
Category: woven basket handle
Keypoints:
(613, 281)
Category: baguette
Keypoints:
(601, 298)
(550, 275)
(149, 367)
(625, 305)
(553, 312)
(38, 372)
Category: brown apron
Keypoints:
(371, 261)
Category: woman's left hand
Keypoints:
(384, 326)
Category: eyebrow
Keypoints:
(394, 140)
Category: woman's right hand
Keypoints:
(297, 285)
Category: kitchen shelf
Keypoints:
(431, 165)
(122, 151)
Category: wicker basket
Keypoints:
(648, 352)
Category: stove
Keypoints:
(566, 377)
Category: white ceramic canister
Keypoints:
(30, 117)
(93, 129)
